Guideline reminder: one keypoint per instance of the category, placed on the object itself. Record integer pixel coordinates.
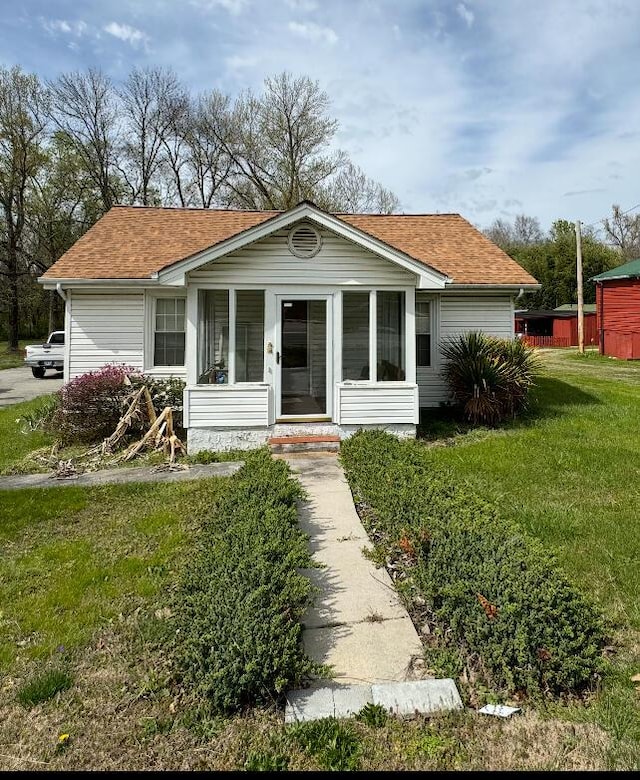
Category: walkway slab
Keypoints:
(358, 625)
(424, 697)
(121, 476)
(408, 698)
(332, 701)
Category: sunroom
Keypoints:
(261, 357)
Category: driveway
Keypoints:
(18, 384)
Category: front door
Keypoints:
(303, 358)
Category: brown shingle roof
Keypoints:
(133, 242)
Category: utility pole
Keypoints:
(580, 292)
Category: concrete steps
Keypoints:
(285, 444)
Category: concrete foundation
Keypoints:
(224, 439)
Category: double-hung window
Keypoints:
(423, 332)
(168, 336)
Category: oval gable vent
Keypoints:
(304, 241)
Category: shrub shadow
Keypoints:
(548, 400)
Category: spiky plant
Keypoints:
(490, 378)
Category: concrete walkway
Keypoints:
(358, 624)
(121, 476)
(18, 384)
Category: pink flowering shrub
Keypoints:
(91, 404)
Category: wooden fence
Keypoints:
(547, 341)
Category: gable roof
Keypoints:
(630, 270)
(136, 242)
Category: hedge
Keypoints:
(497, 590)
(242, 597)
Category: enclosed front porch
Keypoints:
(329, 361)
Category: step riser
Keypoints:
(330, 446)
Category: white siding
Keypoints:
(226, 406)
(384, 402)
(464, 313)
(269, 261)
(105, 328)
(461, 314)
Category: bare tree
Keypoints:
(527, 230)
(352, 191)
(208, 162)
(85, 108)
(623, 231)
(501, 233)
(524, 231)
(279, 142)
(23, 125)
(152, 99)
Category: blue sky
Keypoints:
(485, 107)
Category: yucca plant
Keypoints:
(489, 377)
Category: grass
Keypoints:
(72, 560)
(16, 442)
(44, 686)
(570, 475)
(86, 576)
(16, 359)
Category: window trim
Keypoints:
(150, 332)
(434, 318)
(409, 335)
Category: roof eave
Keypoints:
(50, 283)
(494, 286)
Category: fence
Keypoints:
(547, 341)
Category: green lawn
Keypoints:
(571, 474)
(83, 573)
(16, 441)
(13, 359)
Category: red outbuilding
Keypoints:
(556, 327)
(618, 310)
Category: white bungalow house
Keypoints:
(283, 323)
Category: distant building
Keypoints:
(618, 303)
(556, 327)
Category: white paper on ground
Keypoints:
(500, 710)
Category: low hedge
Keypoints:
(496, 589)
(242, 597)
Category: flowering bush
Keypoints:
(91, 404)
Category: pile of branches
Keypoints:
(159, 436)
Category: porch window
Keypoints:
(423, 333)
(390, 330)
(249, 336)
(355, 335)
(168, 338)
(213, 337)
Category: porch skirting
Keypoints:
(224, 439)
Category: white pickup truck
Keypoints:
(43, 356)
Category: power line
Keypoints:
(602, 219)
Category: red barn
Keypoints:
(618, 303)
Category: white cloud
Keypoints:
(302, 5)
(466, 14)
(313, 32)
(234, 7)
(124, 32)
(55, 26)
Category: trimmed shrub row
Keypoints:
(242, 597)
(495, 588)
